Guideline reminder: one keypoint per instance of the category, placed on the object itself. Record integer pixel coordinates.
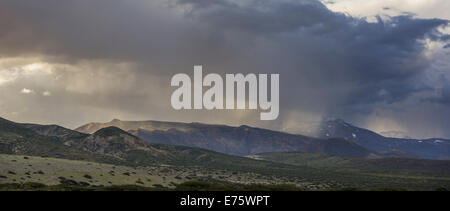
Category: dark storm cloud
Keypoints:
(443, 96)
(329, 63)
(262, 17)
(367, 62)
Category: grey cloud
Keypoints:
(329, 63)
(262, 17)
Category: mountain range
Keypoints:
(432, 148)
(336, 137)
(273, 155)
(106, 145)
(242, 140)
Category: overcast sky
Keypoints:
(379, 64)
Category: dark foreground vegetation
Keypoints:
(185, 186)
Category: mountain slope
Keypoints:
(427, 148)
(108, 145)
(131, 125)
(385, 165)
(15, 138)
(340, 147)
(55, 131)
(117, 143)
